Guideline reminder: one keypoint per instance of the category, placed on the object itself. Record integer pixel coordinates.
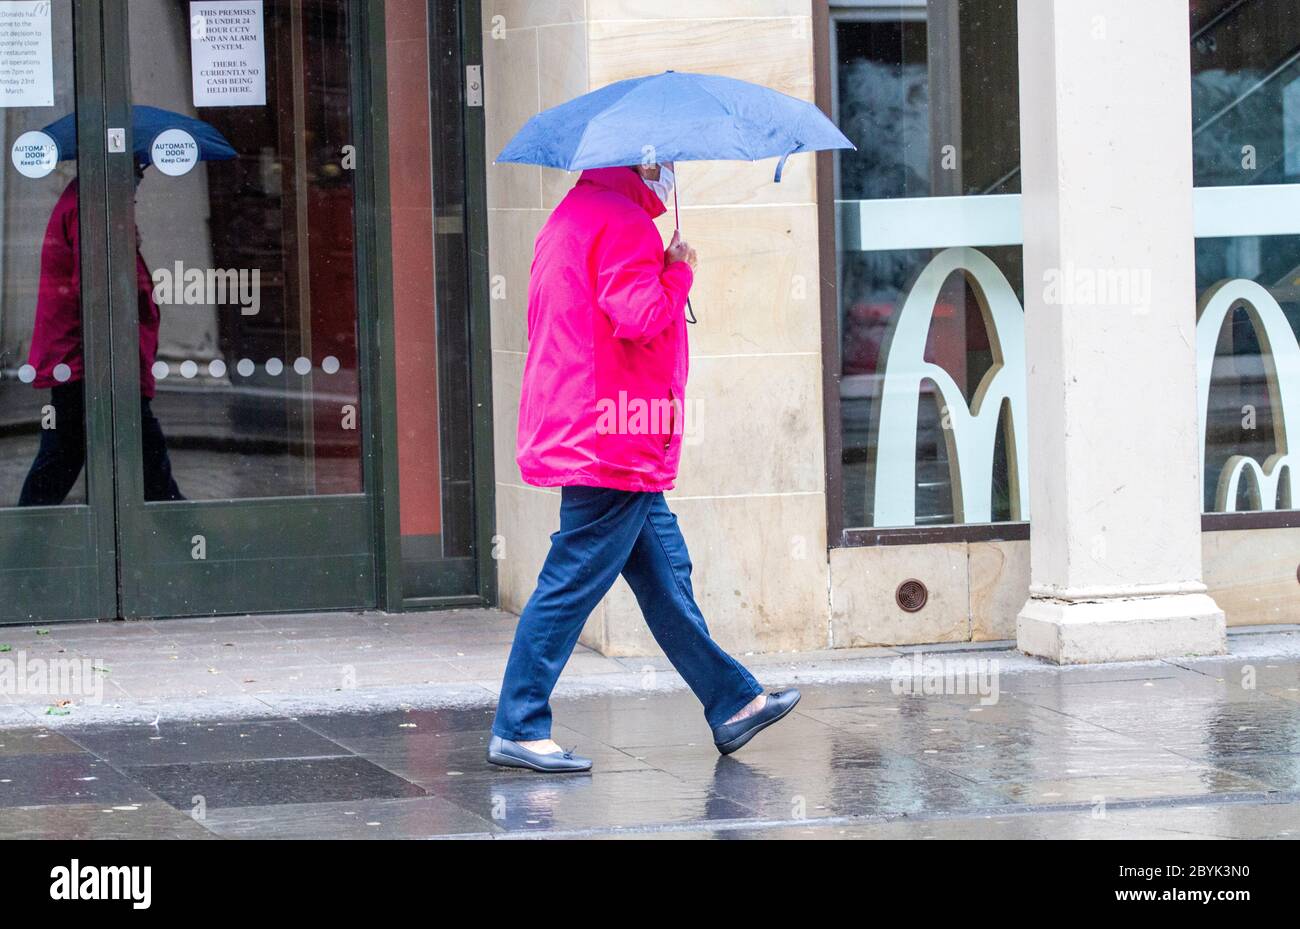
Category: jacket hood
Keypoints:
(628, 183)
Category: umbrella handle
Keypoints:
(692, 319)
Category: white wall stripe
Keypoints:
(931, 222)
(976, 222)
(1268, 209)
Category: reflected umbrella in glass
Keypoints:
(148, 123)
(56, 361)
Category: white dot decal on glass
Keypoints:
(161, 371)
(217, 369)
(189, 370)
(246, 368)
(62, 374)
(302, 366)
(275, 367)
(331, 365)
(27, 374)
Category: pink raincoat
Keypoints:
(605, 382)
(56, 336)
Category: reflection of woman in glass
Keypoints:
(56, 356)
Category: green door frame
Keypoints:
(58, 564)
(384, 391)
(476, 215)
(131, 559)
(224, 557)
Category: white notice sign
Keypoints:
(26, 54)
(228, 53)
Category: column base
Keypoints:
(1122, 629)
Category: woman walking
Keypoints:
(57, 362)
(601, 418)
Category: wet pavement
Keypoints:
(1193, 749)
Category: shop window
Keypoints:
(929, 388)
(1246, 119)
(929, 316)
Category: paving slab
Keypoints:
(246, 731)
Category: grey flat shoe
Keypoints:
(732, 738)
(509, 754)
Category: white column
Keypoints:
(1110, 309)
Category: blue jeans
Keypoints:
(604, 533)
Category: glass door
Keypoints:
(182, 384)
(241, 474)
(57, 541)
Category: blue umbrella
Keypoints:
(671, 117)
(674, 117)
(149, 123)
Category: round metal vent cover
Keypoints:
(912, 596)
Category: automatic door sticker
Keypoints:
(175, 153)
(35, 155)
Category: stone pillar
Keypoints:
(534, 58)
(1110, 329)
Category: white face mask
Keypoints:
(664, 187)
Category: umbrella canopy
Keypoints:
(149, 123)
(674, 117)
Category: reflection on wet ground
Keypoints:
(1211, 749)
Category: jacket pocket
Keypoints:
(675, 420)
